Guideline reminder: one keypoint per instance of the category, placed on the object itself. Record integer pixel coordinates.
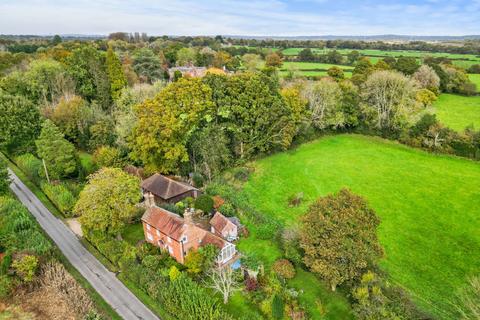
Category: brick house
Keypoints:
(167, 190)
(223, 227)
(178, 235)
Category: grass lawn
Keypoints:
(133, 233)
(240, 307)
(458, 112)
(429, 206)
(475, 78)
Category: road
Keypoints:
(113, 291)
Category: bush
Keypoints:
(172, 208)
(227, 209)
(241, 174)
(474, 69)
(108, 157)
(26, 267)
(198, 180)
(284, 269)
(60, 196)
(31, 166)
(204, 203)
(5, 264)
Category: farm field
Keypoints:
(311, 69)
(429, 206)
(475, 78)
(457, 112)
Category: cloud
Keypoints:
(254, 17)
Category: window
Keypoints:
(148, 227)
(158, 233)
(170, 250)
(184, 239)
(149, 236)
(169, 239)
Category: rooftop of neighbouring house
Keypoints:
(219, 221)
(164, 187)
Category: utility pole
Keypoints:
(46, 171)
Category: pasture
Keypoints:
(457, 112)
(429, 206)
(313, 68)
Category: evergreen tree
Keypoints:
(56, 151)
(118, 81)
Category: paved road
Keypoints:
(107, 285)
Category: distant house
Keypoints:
(188, 71)
(223, 227)
(167, 190)
(178, 235)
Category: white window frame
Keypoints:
(149, 236)
(148, 227)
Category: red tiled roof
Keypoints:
(210, 238)
(164, 187)
(165, 221)
(219, 221)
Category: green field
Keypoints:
(457, 112)
(429, 206)
(475, 78)
(311, 69)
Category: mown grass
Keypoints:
(457, 112)
(429, 206)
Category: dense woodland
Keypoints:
(80, 116)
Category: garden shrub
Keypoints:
(172, 208)
(284, 269)
(60, 196)
(198, 180)
(204, 203)
(26, 267)
(5, 264)
(227, 209)
(31, 166)
(241, 174)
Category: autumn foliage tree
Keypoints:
(166, 122)
(107, 202)
(338, 235)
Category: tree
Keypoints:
(87, 67)
(210, 158)
(117, 78)
(194, 262)
(4, 178)
(427, 78)
(107, 202)
(406, 65)
(273, 60)
(147, 65)
(19, 123)
(59, 154)
(166, 123)
(56, 40)
(336, 73)
(353, 56)
(223, 281)
(388, 100)
(205, 203)
(306, 55)
(284, 268)
(106, 156)
(73, 116)
(324, 99)
(363, 69)
(338, 235)
(251, 61)
(186, 56)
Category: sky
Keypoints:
(235, 17)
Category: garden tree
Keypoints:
(223, 280)
(224, 59)
(102, 132)
(166, 123)
(406, 65)
(427, 78)
(251, 61)
(87, 67)
(336, 73)
(253, 111)
(19, 123)
(388, 100)
(207, 157)
(47, 81)
(186, 56)
(128, 71)
(298, 108)
(273, 60)
(338, 235)
(107, 202)
(73, 116)
(458, 81)
(106, 156)
(349, 103)
(123, 114)
(147, 65)
(59, 154)
(4, 178)
(425, 97)
(324, 100)
(117, 78)
(353, 56)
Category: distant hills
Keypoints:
(384, 37)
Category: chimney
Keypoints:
(188, 217)
(149, 200)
